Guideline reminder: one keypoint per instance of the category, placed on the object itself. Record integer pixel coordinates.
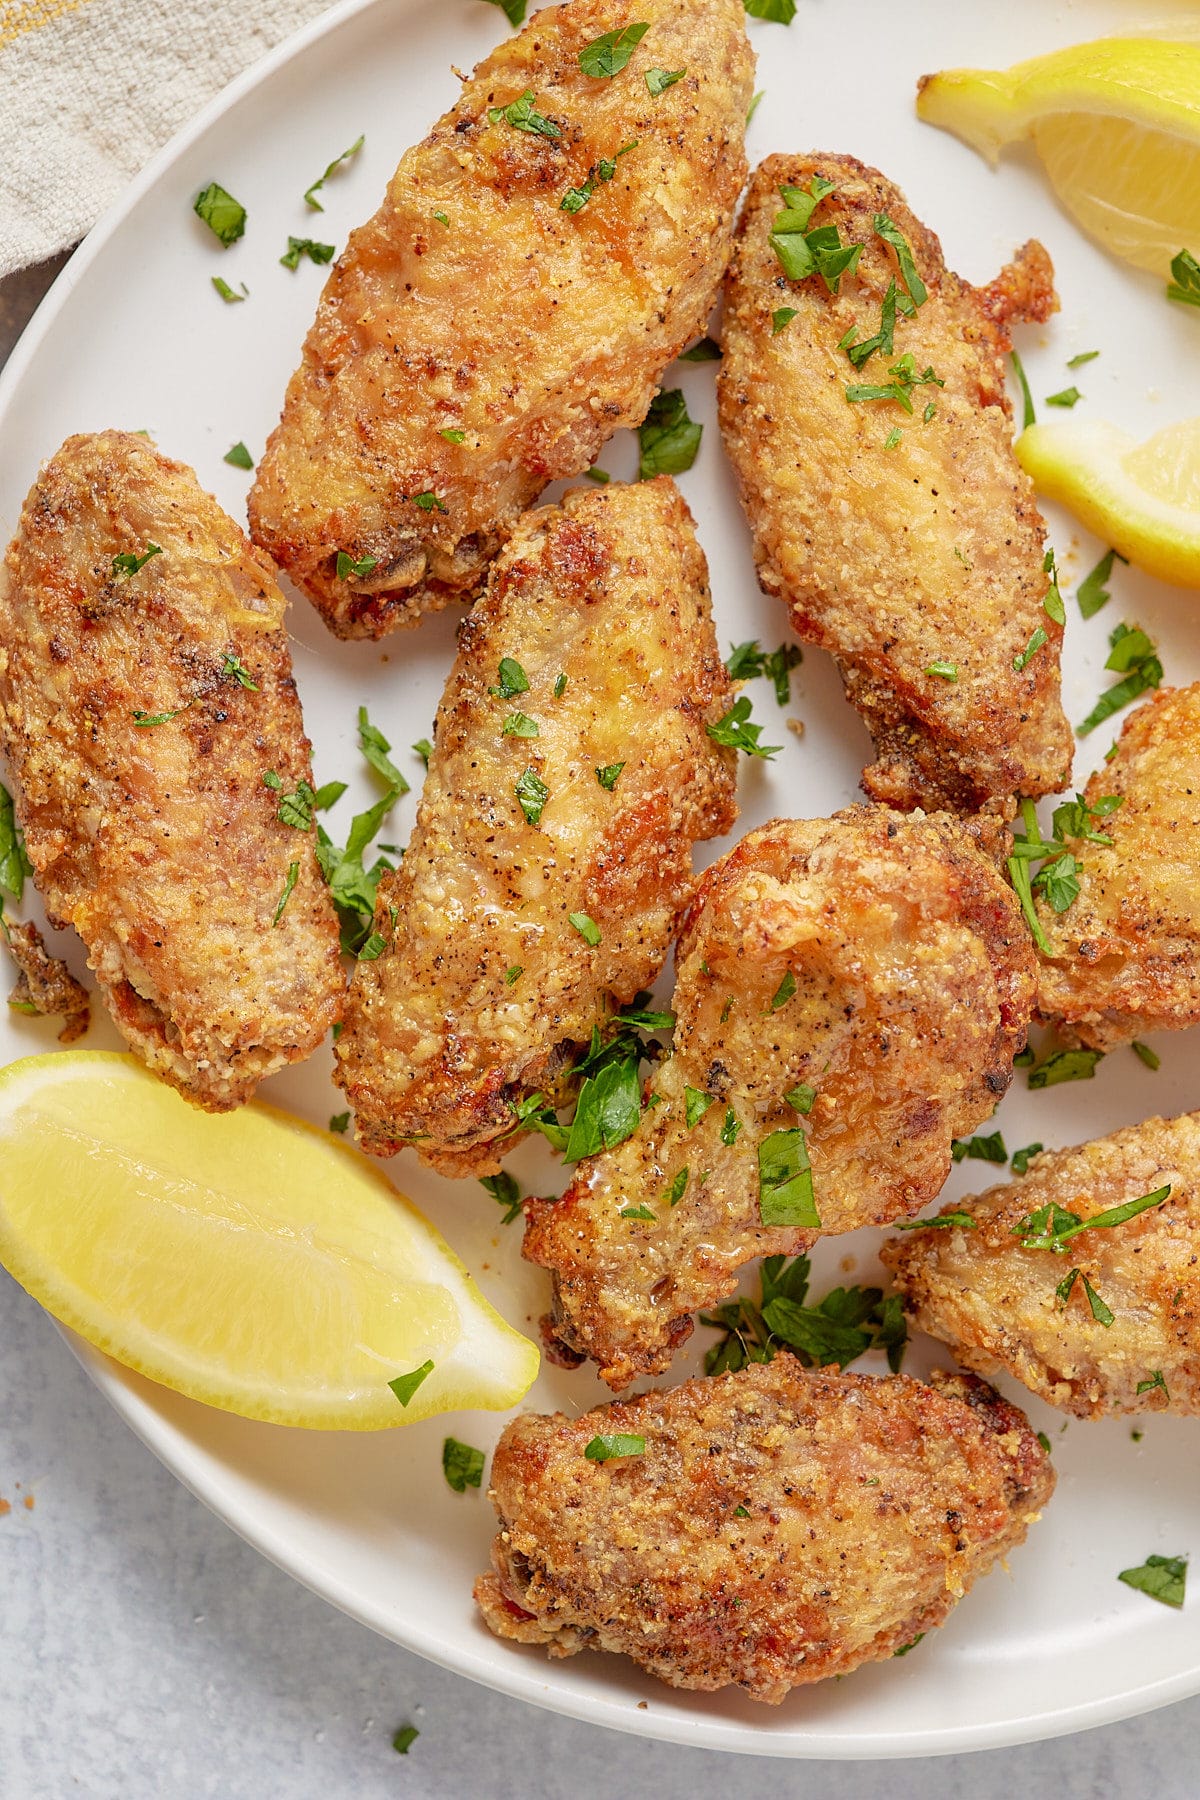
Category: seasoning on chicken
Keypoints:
(766, 1529)
(849, 997)
(1108, 1324)
(1126, 952)
(863, 406)
(150, 719)
(571, 773)
(537, 262)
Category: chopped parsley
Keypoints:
(669, 440)
(352, 886)
(310, 193)
(659, 80)
(560, 681)
(892, 234)
(602, 478)
(947, 670)
(802, 251)
(678, 1186)
(14, 862)
(1026, 656)
(1052, 602)
(1065, 1065)
(781, 318)
(405, 1386)
(224, 216)
(506, 1192)
(340, 1122)
(731, 1128)
(695, 1103)
(639, 1212)
(295, 809)
(513, 974)
(513, 680)
(1145, 1054)
(615, 1443)
(298, 247)
(462, 1465)
(126, 563)
(289, 886)
(1162, 1577)
(424, 750)
(1134, 657)
(1185, 283)
(1092, 592)
(1065, 397)
(1022, 1158)
(982, 1149)
(453, 437)
(238, 457)
(781, 11)
(609, 775)
(586, 926)
(838, 1329)
(1154, 1380)
(784, 991)
(226, 292)
(142, 720)
(429, 502)
(375, 747)
(801, 1097)
(1101, 1312)
(1044, 1441)
(748, 660)
(233, 665)
(904, 379)
(513, 10)
(607, 55)
(1028, 417)
(522, 115)
(754, 105)
(532, 795)
(944, 1221)
(348, 565)
(705, 349)
(407, 1735)
(1058, 876)
(1085, 356)
(520, 725)
(576, 198)
(893, 438)
(903, 1649)
(785, 1184)
(736, 733)
(1051, 1226)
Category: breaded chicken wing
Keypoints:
(900, 530)
(769, 1528)
(1131, 1343)
(146, 692)
(570, 776)
(538, 261)
(850, 994)
(45, 985)
(1127, 950)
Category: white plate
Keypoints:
(133, 335)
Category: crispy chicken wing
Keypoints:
(780, 1525)
(998, 1304)
(538, 260)
(850, 992)
(1127, 950)
(45, 985)
(570, 776)
(145, 691)
(909, 546)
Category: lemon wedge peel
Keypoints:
(248, 1260)
(1133, 496)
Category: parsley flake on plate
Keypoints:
(781, 11)
(227, 293)
(513, 10)
(506, 1192)
(331, 169)
(462, 1465)
(224, 216)
(1161, 1577)
(705, 349)
(1067, 397)
(298, 247)
(1028, 416)
(1022, 1158)
(1145, 1054)
(15, 865)
(1092, 592)
(238, 457)
(407, 1735)
(375, 747)
(669, 440)
(982, 1149)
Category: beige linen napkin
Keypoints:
(89, 89)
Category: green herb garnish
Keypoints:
(289, 886)
(1134, 655)
(375, 747)
(1022, 1158)
(462, 1465)
(735, 731)
(532, 795)
(224, 216)
(586, 926)
(947, 670)
(522, 115)
(705, 349)
(238, 457)
(669, 440)
(405, 1386)
(1185, 286)
(126, 563)
(659, 80)
(520, 725)
(348, 565)
(226, 292)
(609, 775)
(943, 1221)
(615, 1443)
(785, 1184)
(1065, 397)
(782, 12)
(981, 1149)
(506, 1191)
(331, 169)
(607, 55)
(1092, 592)
(513, 680)
(1065, 1065)
(15, 865)
(781, 318)
(748, 660)
(1029, 417)
(298, 247)
(1162, 1577)
(407, 1735)
(513, 10)
(340, 1122)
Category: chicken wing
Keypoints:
(146, 701)
(1111, 1325)
(887, 506)
(1126, 952)
(570, 776)
(769, 1528)
(45, 986)
(850, 994)
(537, 262)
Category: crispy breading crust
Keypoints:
(913, 978)
(993, 1302)
(610, 591)
(45, 984)
(896, 559)
(160, 843)
(782, 1525)
(534, 331)
(1127, 950)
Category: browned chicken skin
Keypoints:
(1127, 950)
(474, 304)
(874, 960)
(780, 1526)
(206, 919)
(486, 985)
(994, 1302)
(896, 559)
(45, 985)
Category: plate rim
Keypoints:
(515, 1676)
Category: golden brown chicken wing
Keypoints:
(570, 776)
(146, 697)
(1108, 1324)
(537, 262)
(898, 528)
(1126, 952)
(849, 997)
(769, 1528)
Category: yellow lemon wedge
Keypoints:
(1143, 499)
(245, 1259)
(1116, 124)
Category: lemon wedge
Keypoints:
(246, 1259)
(1143, 499)
(1116, 124)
